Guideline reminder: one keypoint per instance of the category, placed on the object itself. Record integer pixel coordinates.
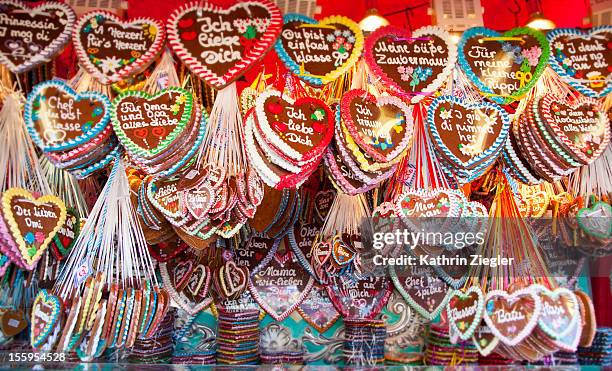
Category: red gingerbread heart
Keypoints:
(219, 53)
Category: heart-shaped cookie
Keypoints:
(220, 44)
(464, 311)
(318, 310)
(12, 322)
(381, 126)
(33, 35)
(67, 235)
(318, 52)
(582, 127)
(414, 64)
(596, 220)
(323, 200)
(299, 128)
(419, 208)
(46, 312)
(484, 340)
(231, 280)
(281, 286)
(467, 134)
(58, 118)
(512, 317)
(32, 222)
(583, 58)
(359, 298)
(560, 311)
(111, 49)
(503, 66)
(148, 125)
(422, 290)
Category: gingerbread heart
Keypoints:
(381, 126)
(58, 118)
(281, 286)
(582, 127)
(464, 311)
(596, 220)
(512, 317)
(422, 290)
(503, 66)
(420, 208)
(299, 128)
(32, 222)
(414, 64)
(220, 44)
(359, 298)
(46, 312)
(484, 340)
(148, 125)
(560, 311)
(467, 134)
(583, 58)
(33, 35)
(111, 49)
(198, 284)
(67, 235)
(318, 310)
(318, 52)
(323, 200)
(12, 322)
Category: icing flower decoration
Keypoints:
(181, 99)
(110, 64)
(175, 108)
(39, 237)
(405, 72)
(29, 238)
(149, 31)
(533, 55)
(420, 74)
(559, 45)
(514, 51)
(445, 114)
(318, 114)
(97, 112)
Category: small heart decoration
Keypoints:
(35, 34)
(560, 311)
(281, 286)
(318, 52)
(381, 126)
(582, 58)
(503, 66)
(484, 340)
(198, 201)
(13, 322)
(596, 220)
(199, 282)
(323, 200)
(582, 127)
(111, 49)
(58, 118)
(134, 111)
(32, 222)
(464, 311)
(467, 134)
(181, 273)
(67, 235)
(512, 317)
(359, 298)
(422, 290)
(300, 141)
(414, 64)
(46, 312)
(318, 310)
(221, 44)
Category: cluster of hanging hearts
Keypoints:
(554, 137)
(72, 129)
(161, 133)
(195, 178)
(371, 135)
(525, 323)
(285, 138)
